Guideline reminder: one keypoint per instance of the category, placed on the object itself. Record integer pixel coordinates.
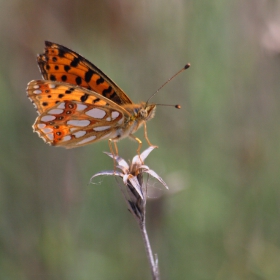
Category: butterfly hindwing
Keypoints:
(59, 63)
(70, 121)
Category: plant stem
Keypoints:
(150, 256)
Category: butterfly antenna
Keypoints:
(177, 106)
(183, 69)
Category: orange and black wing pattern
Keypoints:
(61, 64)
(65, 120)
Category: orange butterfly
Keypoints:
(78, 104)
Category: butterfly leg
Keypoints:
(113, 152)
(146, 136)
(116, 148)
(139, 146)
(139, 143)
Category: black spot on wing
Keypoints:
(64, 78)
(88, 75)
(70, 90)
(113, 95)
(78, 80)
(61, 53)
(75, 62)
(84, 97)
(106, 91)
(96, 100)
(100, 81)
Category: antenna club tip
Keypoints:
(188, 65)
(178, 106)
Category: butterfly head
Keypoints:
(147, 111)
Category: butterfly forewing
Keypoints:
(65, 120)
(59, 63)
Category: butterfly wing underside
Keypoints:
(61, 64)
(66, 120)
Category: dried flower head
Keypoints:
(135, 192)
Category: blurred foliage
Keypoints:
(219, 154)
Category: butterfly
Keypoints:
(78, 104)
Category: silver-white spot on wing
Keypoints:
(47, 130)
(61, 105)
(37, 91)
(101, 128)
(96, 113)
(41, 125)
(115, 114)
(82, 123)
(79, 133)
(55, 111)
(86, 140)
(81, 107)
(50, 136)
(66, 138)
(48, 118)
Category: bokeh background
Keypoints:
(219, 154)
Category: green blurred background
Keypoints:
(219, 154)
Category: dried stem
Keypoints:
(153, 262)
(141, 219)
